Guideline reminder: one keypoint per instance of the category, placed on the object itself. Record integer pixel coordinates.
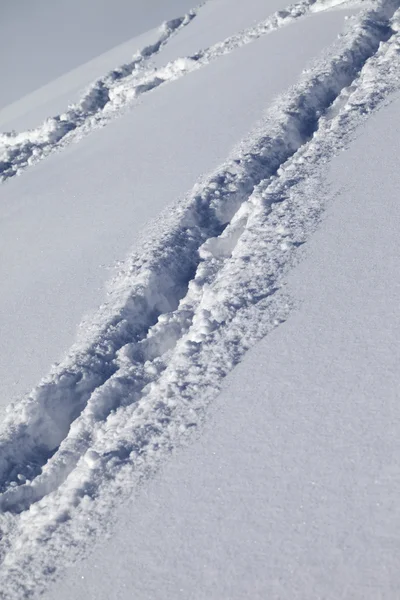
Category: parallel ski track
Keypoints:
(194, 304)
(110, 95)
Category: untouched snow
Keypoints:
(253, 122)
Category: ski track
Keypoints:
(159, 281)
(109, 96)
(183, 313)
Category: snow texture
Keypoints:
(109, 95)
(44, 40)
(184, 312)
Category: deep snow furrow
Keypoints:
(110, 95)
(63, 412)
(242, 304)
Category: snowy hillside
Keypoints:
(199, 351)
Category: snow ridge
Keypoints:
(110, 95)
(189, 308)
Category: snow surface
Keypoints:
(289, 489)
(92, 218)
(54, 97)
(43, 40)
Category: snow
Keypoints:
(291, 489)
(111, 94)
(222, 19)
(45, 40)
(249, 273)
(91, 222)
(53, 98)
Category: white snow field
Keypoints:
(201, 289)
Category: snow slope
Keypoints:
(43, 40)
(53, 98)
(206, 282)
(291, 490)
(91, 223)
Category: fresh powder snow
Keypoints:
(199, 314)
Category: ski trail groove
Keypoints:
(231, 302)
(110, 95)
(45, 436)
